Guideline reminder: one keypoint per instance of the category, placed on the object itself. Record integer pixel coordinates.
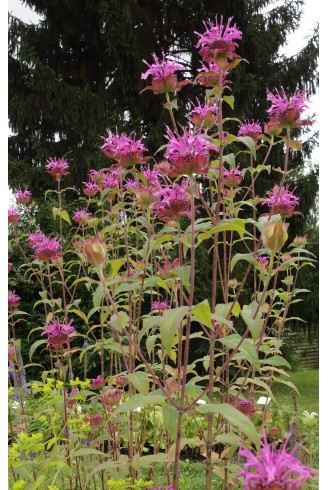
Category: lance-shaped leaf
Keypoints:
(202, 312)
(246, 348)
(140, 381)
(237, 225)
(137, 401)
(275, 361)
(170, 415)
(249, 142)
(235, 417)
(248, 257)
(169, 325)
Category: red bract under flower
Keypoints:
(244, 406)
(13, 300)
(126, 150)
(217, 43)
(285, 204)
(111, 398)
(174, 203)
(232, 177)
(287, 112)
(70, 400)
(121, 380)
(90, 188)
(166, 268)
(13, 215)
(94, 419)
(57, 168)
(253, 130)
(22, 197)
(203, 115)
(59, 334)
(273, 469)
(189, 153)
(163, 73)
(209, 76)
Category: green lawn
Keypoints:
(307, 382)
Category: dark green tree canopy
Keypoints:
(78, 71)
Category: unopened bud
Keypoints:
(285, 257)
(274, 236)
(289, 280)
(300, 241)
(95, 250)
(233, 283)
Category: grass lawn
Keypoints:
(307, 382)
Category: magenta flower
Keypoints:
(13, 215)
(57, 168)
(166, 268)
(284, 204)
(273, 469)
(203, 115)
(232, 177)
(160, 305)
(287, 112)
(45, 248)
(111, 398)
(121, 380)
(11, 352)
(70, 400)
(97, 382)
(126, 150)
(244, 406)
(209, 76)
(221, 331)
(151, 175)
(10, 265)
(94, 420)
(13, 300)
(263, 260)
(174, 203)
(188, 153)
(112, 180)
(253, 130)
(90, 188)
(81, 216)
(22, 197)
(59, 334)
(217, 43)
(163, 73)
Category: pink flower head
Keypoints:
(57, 168)
(13, 300)
(284, 204)
(188, 153)
(111, 398)
(232, 177)
(70, 400)
(112, 180)
(287, 112)
(253, 130)
(90, 188)
(273, 469)
(81, 216)
(221, 330)
(174, 202)
(22, 197)
(160, 305)
(121, 380)
(45, 248)
(13, 215)
(244, 406)
(97, 382)
(10, 265)
(263, 260)
(163, 73)
(217, 43)
(126, 150)
(166, 268)
(151, 175)
(203, 115)
(59, 334)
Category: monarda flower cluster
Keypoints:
(273, 469)
(57, 167)
(283, 202)
(126, 150)
(163, 75)
(189, 153)
(287, 112)
(23, 197)
(250, 129)
(59, 333)
(45, 248)
(174, 202)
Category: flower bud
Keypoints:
(233, 283)
(274, 236)
(95, 250)
(300, 241)
(289, 280)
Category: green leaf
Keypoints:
(37, 484)
(248, 257)
(147, 461)
(138, 401)
(246, 348)
(295, 145)
(118, 321)
(115, 266)
(237, 225)
(80, 314)
(140, 381)
(170, 415)
(184, 275)
(287, 383)
(65, 217)
(35, 346)
(98, 296)
(230, 160)
(86, 451)
(150, 344)
(169, 325)
(249, 142)
(235, 417)
(202, 312)
(275, 361)
(230, 100)
(254, 325)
